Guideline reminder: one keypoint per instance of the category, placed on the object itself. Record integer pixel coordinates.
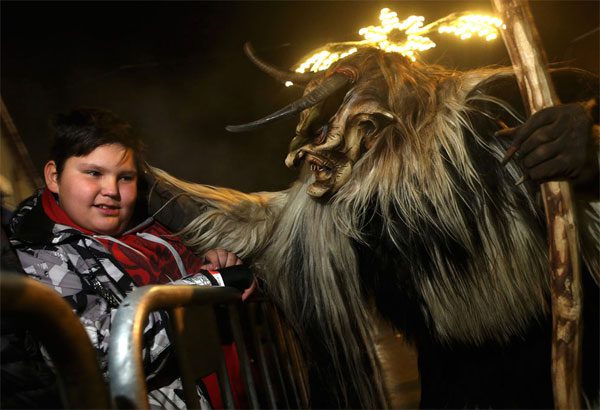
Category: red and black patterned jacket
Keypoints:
(94, 273)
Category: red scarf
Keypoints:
(57, 214)
(148, 262)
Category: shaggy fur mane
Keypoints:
(427, 174)
(430, 197)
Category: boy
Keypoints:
(88, 235)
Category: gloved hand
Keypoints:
(220, 258)
(556, 144)
(237, 276)
(231, 269)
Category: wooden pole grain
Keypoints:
(530, 64)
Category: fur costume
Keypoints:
(402, 204)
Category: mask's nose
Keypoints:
(294, 158)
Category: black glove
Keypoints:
(556, 144)
(238, 276)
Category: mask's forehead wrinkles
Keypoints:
(323, 112)
(356, 105)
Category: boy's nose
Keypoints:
(110, 187)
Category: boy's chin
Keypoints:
(104, 229)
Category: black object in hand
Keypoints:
(237, 276)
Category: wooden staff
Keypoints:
(529, 62)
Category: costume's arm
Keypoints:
(214, 217)
(169, 205)
(563, 142)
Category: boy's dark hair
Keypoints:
(79, 132)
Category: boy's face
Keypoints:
(98, 191)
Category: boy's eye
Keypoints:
(93, 173)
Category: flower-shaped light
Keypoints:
(407, 37)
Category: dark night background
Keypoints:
(176, 70)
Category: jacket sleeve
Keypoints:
(26, 381)
(54, 268)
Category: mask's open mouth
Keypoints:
(330, 169)
(322, 169)
(327, 173)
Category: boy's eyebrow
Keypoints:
(90, 165)
(101, 168)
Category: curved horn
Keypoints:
(328, 87)
(276, 73)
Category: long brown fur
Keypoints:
(304, 248)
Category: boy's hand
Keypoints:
(216, 259)
(220, 258)
(249, 291)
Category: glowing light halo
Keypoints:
(463, 25)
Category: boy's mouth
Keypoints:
(108, 210)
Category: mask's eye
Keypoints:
(320, 134)
(370, 126)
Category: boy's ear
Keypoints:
(51, 176)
